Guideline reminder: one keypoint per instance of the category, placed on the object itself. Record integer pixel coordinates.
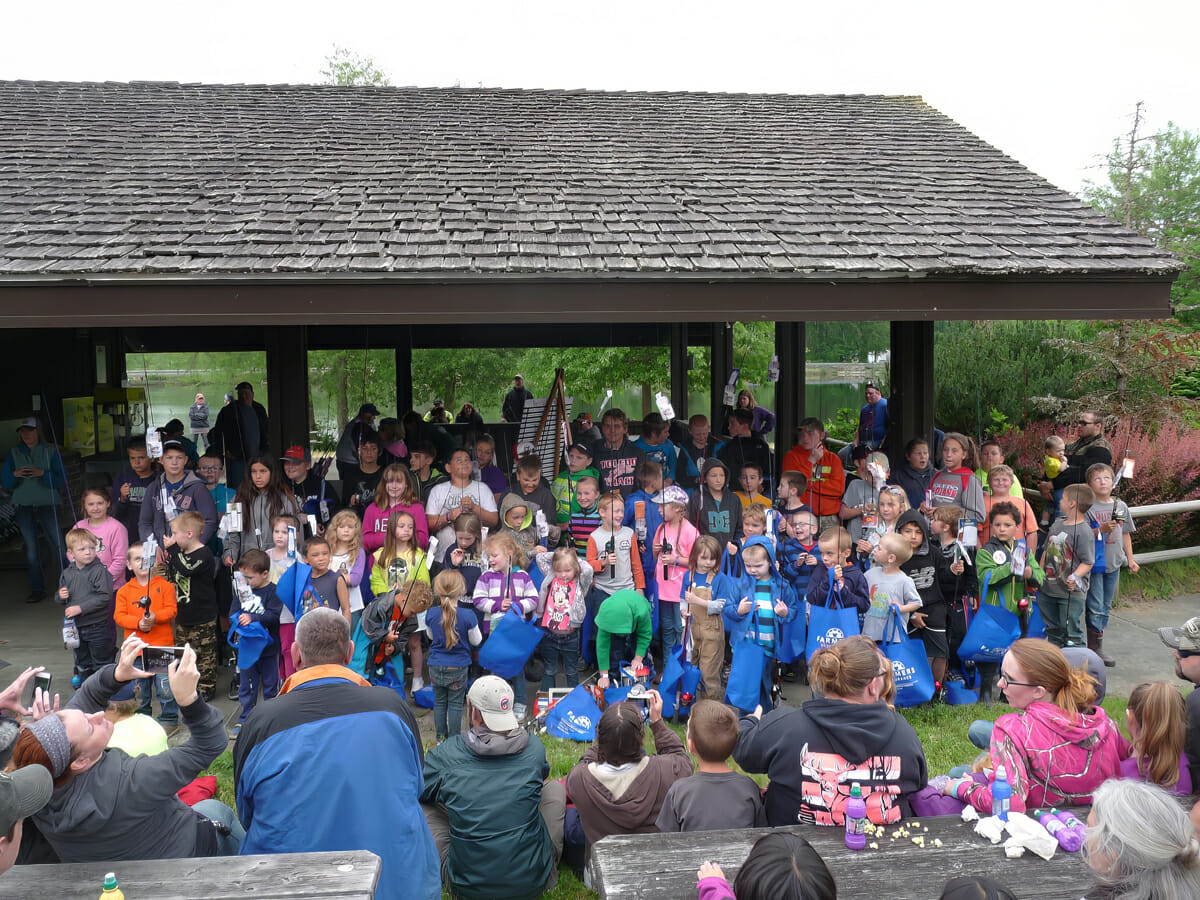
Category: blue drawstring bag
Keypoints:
(424, 697)
(679, 677)
(362, 648)
(830, 623)
(574, 717)
(510, 645)
(1036, 627)
(991, 631)
(910, 666)
(746, 672)
(385, 676)
(793, 636)
(251, 640)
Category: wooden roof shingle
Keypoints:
(214, 181)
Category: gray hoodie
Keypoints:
(126, 808)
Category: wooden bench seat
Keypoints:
(342, 875)
(663, 866)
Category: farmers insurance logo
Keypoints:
(830, 637)
(902, 673)
(583, 723)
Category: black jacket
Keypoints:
(226, 435)
(829, 743)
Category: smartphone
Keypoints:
(156, 659)
(40, 680)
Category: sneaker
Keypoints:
(36, 597)
(236, 729)
(519, 712)
(233, 686)
(418, 684)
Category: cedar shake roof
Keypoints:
(210, 182)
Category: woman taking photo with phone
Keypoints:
(109, 806)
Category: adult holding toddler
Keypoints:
(615, 786)
(808, 752)
(109, 806)
(1058, 746)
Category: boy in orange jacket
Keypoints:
(146, 606)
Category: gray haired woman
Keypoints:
(1141, 844)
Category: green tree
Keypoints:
(346, 67)
(1153, 187)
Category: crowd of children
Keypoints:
(702, 566)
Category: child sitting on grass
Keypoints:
(716, 797)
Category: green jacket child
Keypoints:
(996, 557)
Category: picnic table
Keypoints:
(663, 866)
(340, 875)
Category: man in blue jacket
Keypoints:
(333, 763)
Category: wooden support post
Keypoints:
(910, 405)
(287, 386)
(404, 354)
(721, 364)
(679, 370)
(790, 391)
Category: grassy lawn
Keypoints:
(942, 730)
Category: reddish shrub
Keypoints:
(1167, 471)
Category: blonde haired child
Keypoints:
(704, 591)
(505, 585)
(452, 633)
(401, 560)
(1157, 719)
(560, 611)
(348, 557)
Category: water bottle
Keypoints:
(1066, 837)
(111, 891)
(1073, 823)
(1001, 795)
(856, 819)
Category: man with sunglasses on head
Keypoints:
(1185, 641)
(1088, 448)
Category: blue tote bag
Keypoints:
(574, 717)
(1037, 626)
(991, 631)
(830, 623)
(510, 645)
(680, 679)
(746, 671)
(910, 665)
(793, 636)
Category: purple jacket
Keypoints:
(1183, 787)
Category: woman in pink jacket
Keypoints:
(1058, 747)
(397, 490)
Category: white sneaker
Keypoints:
(418, 684)
(519, 712)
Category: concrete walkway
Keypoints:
(1132, 639)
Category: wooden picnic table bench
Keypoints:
(663, 866)
(340, 875)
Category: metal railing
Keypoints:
(1165, 509)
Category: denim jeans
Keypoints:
(670, 620)
(264, 673)
(161, 685)
(96, 649)
(449, 692)
(227, 844)
(31, 519)
(1101, 593)
(1063, 617)
(557, 643)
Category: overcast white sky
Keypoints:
(1049, 82)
